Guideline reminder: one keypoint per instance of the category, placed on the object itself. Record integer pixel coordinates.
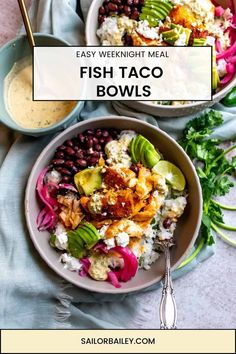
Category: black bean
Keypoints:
(129, 2)
(66, 179)
(101, 19)
(59, 154)
(95, 140)
(167, 223)
(102, 141)
(128, 42)
(134, 168)
(98, 133)
(112, 7)
(69, 143)
(76, 148)
(81, 138)
(64, 171)
(127, 10)
(134, 15)
(89, 132)
(121, 8)
(61, 148)
(114, 133)
(90, 151)
(105, 133)
(80, 154)
(98, 147)
(75, 169)
(82, 162)
(69, 151)
(108, 139)
(89, 142)
(102, 10)
(92, 161)
(136, 2)
(117, 2)
(69, 163)
(58, 162)
(96, 154)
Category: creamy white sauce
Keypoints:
(19, 101)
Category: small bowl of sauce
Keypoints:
(18, 111)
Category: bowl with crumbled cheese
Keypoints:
(191, 23)
(101, 198)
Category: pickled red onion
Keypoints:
(219, 11)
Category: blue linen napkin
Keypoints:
(33, 296)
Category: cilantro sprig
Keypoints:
(214, 171)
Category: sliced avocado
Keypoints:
(144, 145)
(140, 146)
(170, 36)
(199, 42)
(52, 240)
(145, 152)
(88, 180)
(145, 149)
(215, 78)
(215, 75)
(182, 29)
(166, 6)
(158, 14)
(137, 142)
(88, 237)
(158, 3)
(76, 245)
(131, 150)
(151, 20)
(151, 157)
(89, 234)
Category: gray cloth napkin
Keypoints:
(33, 296)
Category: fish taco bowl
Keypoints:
(170, 23)
(103, 195)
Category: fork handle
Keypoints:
(168, 309)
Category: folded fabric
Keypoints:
(33, 296)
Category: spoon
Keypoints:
(27, 23)
(168, 309)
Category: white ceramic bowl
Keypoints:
(187, 227)
(149, 107)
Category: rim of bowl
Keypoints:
(28, 194)
(51, 128)
(222, 92)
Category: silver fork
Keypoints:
(168, 309)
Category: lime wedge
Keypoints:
(171, 173)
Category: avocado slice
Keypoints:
(215, 78)
(88, 237)
(170, 36)
(89, 234)
(145, 152)
(131, 150)
(137, 142)
(158, 14)
(151, 20)
(181, 30)
(52, 240)
(151, 157)
(166, 6)
(76, 244)
(199, 42)
(88, 180)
